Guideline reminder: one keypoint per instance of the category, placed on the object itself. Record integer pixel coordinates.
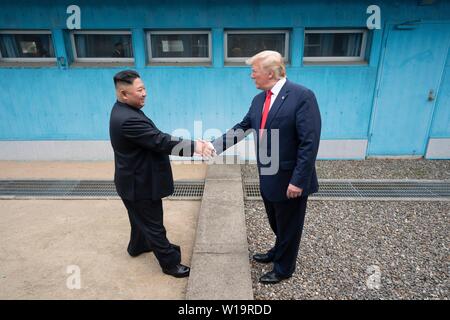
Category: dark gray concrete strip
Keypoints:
(220, 268)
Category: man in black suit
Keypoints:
(143, 175)
(286, 121)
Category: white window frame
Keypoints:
(254, 31)
(28, 59)
(360, 58)
(101, 32)
(151, 59)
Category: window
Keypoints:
(102, 46)
(26, 46)
(243, 44)
(179, 46)
(335, 45)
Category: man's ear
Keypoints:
(123, 93)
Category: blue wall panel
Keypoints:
(74, 102)
(68, 109)
(212, 13)
(441, 121)
(344, 95)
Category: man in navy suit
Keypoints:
(286, 121)
(143, 175)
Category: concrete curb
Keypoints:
(220, 268)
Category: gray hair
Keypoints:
(270, 60)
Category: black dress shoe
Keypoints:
(178, 271)
(262, 257)
(272, 277)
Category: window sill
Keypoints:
(179, 64)
(335, 63)
(235, 64)
(27, 64)
(243, 64)
(101, 64)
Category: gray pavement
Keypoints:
(43, 240)
(87, 170)
(46, 244)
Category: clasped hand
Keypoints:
(204, 149)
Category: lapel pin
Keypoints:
(282, 98)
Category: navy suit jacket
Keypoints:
(141, 154)
(296, 115)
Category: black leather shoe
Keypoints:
(272, 277)
(262, 257)
(179, 271)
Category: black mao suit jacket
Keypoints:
(141, 154)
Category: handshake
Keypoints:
(205, 149)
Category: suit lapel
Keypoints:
(281, 97)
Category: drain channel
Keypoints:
(425, 190)
(75, 189)
(370, 190)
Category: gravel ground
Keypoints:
(375, 169)
(348, 245)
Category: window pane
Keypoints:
(179, 45)
(26, 46)
(103, 45)
(333, 44)
(247, 45)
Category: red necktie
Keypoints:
(265, 112)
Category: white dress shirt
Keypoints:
(276, 90)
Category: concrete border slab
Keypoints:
(220, 268)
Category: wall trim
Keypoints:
(87, 150)
(438, 148)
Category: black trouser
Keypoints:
(148, 232)
(286, 219)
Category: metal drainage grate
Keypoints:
(75, 189)
(370, 190)
(188, 190)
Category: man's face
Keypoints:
(134, 94)
(264, 80)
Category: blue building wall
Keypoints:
(73, 103)
(441, 119)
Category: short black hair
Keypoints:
(126, 76)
